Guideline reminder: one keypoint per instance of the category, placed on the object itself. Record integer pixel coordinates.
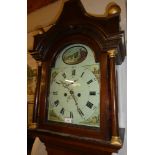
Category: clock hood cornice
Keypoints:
(73, 20)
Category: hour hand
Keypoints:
(76, 80)
(64, 84)
(70, 82)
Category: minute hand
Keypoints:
(78, 109)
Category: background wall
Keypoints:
(48, 15)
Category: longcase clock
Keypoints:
(76, 101)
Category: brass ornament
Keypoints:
(39, 63)
(112, 53)
(116, 140)
(33, 126)
(113, 8)
(41, 31)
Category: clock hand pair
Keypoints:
(72, 94)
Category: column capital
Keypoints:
(39, 63)
(112, 53)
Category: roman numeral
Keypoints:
(92, 93)
(73, 72)
(71, 114)
(82, 74)
(56, 103)
(89, 104)
(55, 93)
(64, 75)
(62, 111)
(90, 81)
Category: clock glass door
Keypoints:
(74, 92)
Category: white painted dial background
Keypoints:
(69, 94)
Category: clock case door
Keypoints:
(100, 34)
(100, 57)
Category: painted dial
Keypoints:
(74, 95)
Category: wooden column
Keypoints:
(115, 139)
(36, 100)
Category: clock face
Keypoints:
(74, 93)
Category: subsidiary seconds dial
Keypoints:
(74, 94)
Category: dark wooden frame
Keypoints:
(101, 34)
(103, 131)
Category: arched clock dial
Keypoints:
(74, 95)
